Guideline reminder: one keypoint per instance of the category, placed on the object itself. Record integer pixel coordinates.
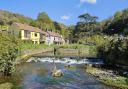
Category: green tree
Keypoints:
(7, 18)
(117, 24)
(9, 47)
(44, 22)
(86, 26)
(114, 51)
(72, 34)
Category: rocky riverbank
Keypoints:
(109, 77)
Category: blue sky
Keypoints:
(65, 11)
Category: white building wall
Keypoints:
(49, 40)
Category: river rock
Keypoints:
(57, 73)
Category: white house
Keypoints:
(53, 38)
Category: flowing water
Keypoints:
(36, 74)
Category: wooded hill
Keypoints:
(89, 25)
(43, 21)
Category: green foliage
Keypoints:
(87, 26)
(114, 51)
(118, 24)
(62, 29)
(97, 40)
(44, 17)
(71, 46)
(84, 50)
(9, 47)
(44, 22)
(7, 18)
(88, 31)
(72, 36)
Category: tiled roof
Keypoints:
(28, 27)
(53, 34)
(35, 29)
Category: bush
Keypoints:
(95, 39)
(8, 52)
(115, 51)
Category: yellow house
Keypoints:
(26, 32)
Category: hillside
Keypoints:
(7, 17)
(43, 21)
(117, 24)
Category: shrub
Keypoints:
(8, 52)
(115, 51)
(97, 40)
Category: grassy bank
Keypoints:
(82, 50)
(31, 46)
(108, 78)
(25, 46)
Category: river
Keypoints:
(36, 74)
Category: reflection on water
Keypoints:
(33, 75)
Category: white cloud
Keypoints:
(65, 17)
(88, 1)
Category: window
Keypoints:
(26, 34)
(35, 34)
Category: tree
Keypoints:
(9, 47)
(117, 24)
(86, 26)
(44, 22)
(44, 17)
(7, 18)
(33, 23)
(57, 26)
(72, 36)
(62, 29)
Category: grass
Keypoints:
(84, 50)
(66, 46)
(30, 46)
(74, 46)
